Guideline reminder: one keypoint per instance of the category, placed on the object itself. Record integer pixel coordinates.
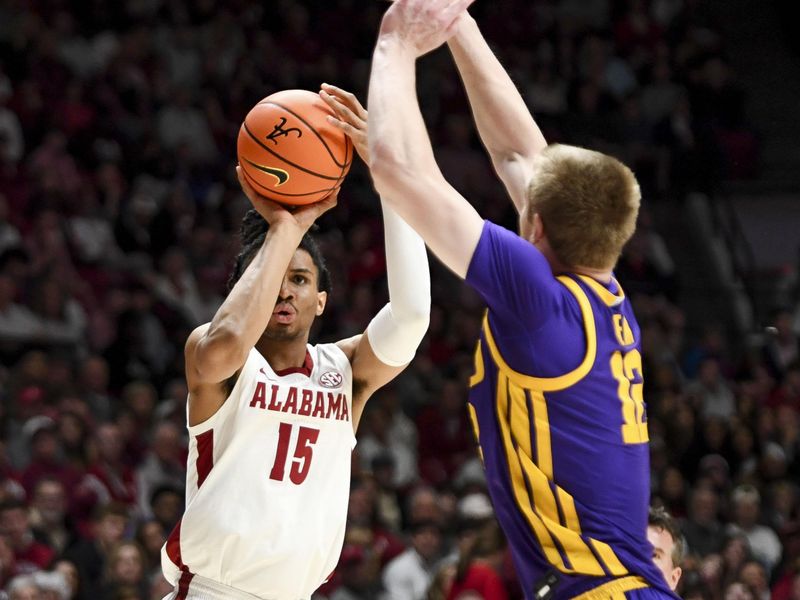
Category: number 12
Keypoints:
(303, 452)
(627, 370)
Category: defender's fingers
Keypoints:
(454, 10)
(347, 98)
(348, 114)
(344, 126)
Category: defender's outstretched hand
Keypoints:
(302, 217)
(423, 25)
(350, 117)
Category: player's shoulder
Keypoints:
(196, 335)
(341, 351)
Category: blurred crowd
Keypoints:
(119, 212)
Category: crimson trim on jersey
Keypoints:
(308, 366)
(174, 553)
(183, 585)
(174, 546)
(205, 455)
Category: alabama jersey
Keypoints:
(556, 401)
(268, 483)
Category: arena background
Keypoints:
(119, 211)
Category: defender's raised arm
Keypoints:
(403, 166)
(504, 122)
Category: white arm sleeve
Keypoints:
(396, 331)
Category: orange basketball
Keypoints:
(289, 152)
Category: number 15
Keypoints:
(303, 452)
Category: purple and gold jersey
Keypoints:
(556, 402)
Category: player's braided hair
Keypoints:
(252, 233)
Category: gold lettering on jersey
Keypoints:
(622, 330)
(319, 404)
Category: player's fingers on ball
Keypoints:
(330, 201)
(244, 183)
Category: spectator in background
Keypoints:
(150, 535)
(8, 563)
(91, 554)
(107, 479)
(93, 385)
(10, 238)
(479, 568)
(754, 576)
(125, 568)
(764, 543)
(445, 435)
(166, 505)
(29, 554)
(408, 576)
(73, 433)
(702, 529)
(12, 141)
(379, 438)
(387, 500)
(24, 587)
(359, 575)
(164, 464)
(18, 325)
(46, 456)
(48, 515)
(782, 348)
(184, 129)
(69, 572)
(52, 585)
(712, 392)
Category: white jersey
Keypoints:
(268, 482)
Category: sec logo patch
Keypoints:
(330, 379)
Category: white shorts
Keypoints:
(201, 588)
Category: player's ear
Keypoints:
(538, 227)
(322, 300)
(675, 576)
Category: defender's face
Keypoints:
(299, 302)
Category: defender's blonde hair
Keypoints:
(588, 203)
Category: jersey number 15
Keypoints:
(303, 452)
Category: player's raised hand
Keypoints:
(423, 25)
(351, 117)
(300, 217)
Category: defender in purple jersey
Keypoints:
(556, 397)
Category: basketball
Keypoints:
(289, 152)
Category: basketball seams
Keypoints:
(286, 160)
(348, 148)
(313, 130)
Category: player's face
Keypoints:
(663, 545)
(299, 302)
